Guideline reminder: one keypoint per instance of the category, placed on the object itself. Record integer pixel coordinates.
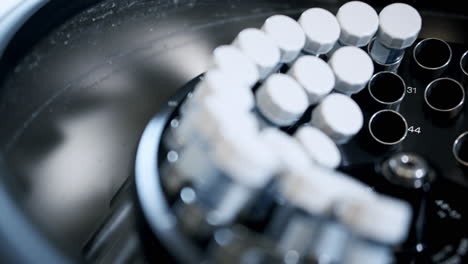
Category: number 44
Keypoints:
(411, 129)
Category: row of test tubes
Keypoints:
(252, 193)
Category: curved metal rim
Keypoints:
(383, 102)
(460, 104)
(15, 18)
(24, 242)
(464, 57)
(463, 136)
(383, 142)
(149, 189)
(432, 68)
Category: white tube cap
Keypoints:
(246, 159)
(320, 148)
(383, 219)
(214, 117)
(221, 118)
(232, 61)
(259, 47)
(399, 26)
(318, 189)
(338, 116)
(287, 34)
(300, 189)
(315, 76)
(353, 68)
(359, 23)
(321, 29)
(221, 84)
(290, 152)
(281, 99)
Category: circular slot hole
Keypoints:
(432, 54)
(387, 87)
(388, 127)
(460, 149)
(444, 95)
(464, 63)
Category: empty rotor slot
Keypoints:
(444, 95)
(464, 64)
(388, 127)
(432, 54)
(460, 149)
(387, 88)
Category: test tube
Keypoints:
(302, 221)
(260, 48)
(338, 116)
(364, 251)
(330, 243)
(358, 22)
(307, 199)
(240, 245)
(378, 66)
(281, 100)
(377, 225)
(213, 118)
(232, 61)
(321, 29)
(287, 34)
(291, 153)
(242, 167)
(314, 75)
(352, 67)
(292, 157)
(399, 27)
(320, 148)
(180, 167)
(220, 86)
(224, 85)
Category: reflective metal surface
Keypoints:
(74, 108)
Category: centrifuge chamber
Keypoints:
(79, 82)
